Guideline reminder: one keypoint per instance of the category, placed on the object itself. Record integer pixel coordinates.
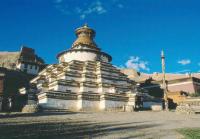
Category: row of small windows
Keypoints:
(31, 67)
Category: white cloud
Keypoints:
(137, 64)
(95, 7)
(62, 6)
(184, 61)
(84, 9)
(82, 16)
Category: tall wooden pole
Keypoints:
(164, 86)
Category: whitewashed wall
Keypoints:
(81, 56)
(111, 105)
(88, 79)
(70, 78)
(34, 70)
(31, 69)
(58, 103)
(90, 105)
(64, 88)
(86, 89)
(106, 90)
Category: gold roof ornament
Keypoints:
(85, 25)
(85, 36)
(85, 45)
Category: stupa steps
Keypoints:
(88, 73)
(85, 69)
(94, 78)
(92, 96)
(62, 81)
(94, 81)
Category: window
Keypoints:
(31, 66)
(25, 66)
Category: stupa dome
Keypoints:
(84, 48)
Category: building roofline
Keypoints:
(174, 80)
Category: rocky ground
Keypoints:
(86, 125)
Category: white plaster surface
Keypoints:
(90, 105)
(109, 105)
(65, 88)
(58, 103)
(105, 90)
(86, 89)
(31, 69)
(81, 56)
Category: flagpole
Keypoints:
(164, 86)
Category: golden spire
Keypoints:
(85, 37)
(85, 25)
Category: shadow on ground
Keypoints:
(65, 128)
(11, 115)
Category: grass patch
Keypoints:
(190, 133)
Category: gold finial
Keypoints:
(85, 25)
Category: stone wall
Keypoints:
(8, 59)
(189, 106)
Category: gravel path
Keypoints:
(109, 125)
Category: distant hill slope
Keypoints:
(8, 59)
(142, 77)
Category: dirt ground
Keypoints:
(86, 125)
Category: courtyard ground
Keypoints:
(86, 125)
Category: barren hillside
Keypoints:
(8, 59)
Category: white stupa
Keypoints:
(84, 79)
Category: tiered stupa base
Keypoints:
(87, 102)
(84, 80)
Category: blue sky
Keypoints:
(132, 31)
